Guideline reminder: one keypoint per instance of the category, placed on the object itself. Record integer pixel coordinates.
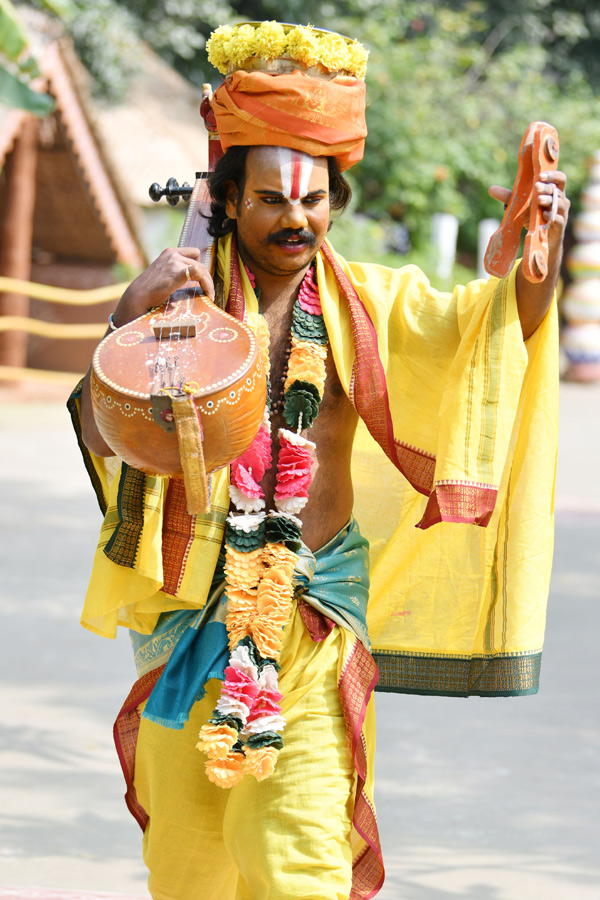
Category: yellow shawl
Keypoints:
(467, 412)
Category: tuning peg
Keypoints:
(172, 192)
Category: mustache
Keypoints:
(307, 237)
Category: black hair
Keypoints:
(232, 167)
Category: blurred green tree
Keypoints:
(18, 67)
(452, 85)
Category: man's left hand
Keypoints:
(533, 300)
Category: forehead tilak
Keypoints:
(295, 170)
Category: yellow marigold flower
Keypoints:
(303, 45)
(240, 45)
(261, 762)
(269, 40)
(216, 47)
(216, 740)
(334, 53)
(358, 59)
(226, 773)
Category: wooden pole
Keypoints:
(16, 235)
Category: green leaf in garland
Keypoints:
(300, 401)
(307, 327)
(244, 541)
(306, 386)
(232, 721)
(281, 530)
(265, 739)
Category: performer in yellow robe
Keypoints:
(465, 413)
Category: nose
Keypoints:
(294, 216)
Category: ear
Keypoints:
(231, 202)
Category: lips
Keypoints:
(290, 240)
(292, 245)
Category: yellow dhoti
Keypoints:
(286, 837)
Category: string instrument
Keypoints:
(181, 390)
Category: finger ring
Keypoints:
(188, 277)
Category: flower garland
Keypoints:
(230, 46)
(243, 735)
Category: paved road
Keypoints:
(482, 800)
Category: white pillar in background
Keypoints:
(444, 231)
(485, 230)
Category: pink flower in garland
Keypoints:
(240, 686)
(257, 458)
(251, 277)
(308, 296)
(294, 469)
(244, 481)
(266, 709)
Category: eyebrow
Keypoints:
(281, 194)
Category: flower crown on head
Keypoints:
(231, 46)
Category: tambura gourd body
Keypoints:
(196, 347)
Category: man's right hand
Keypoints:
(170, 271)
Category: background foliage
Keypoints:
(452, 86)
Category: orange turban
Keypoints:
(317, 116)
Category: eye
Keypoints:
(271, 201)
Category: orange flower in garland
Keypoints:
(217, 740)
(305, 366)
(243, 734)
(228, 772)
(261, 762)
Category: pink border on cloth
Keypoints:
(370, 393)
(460, 501)
(449, 501)
(357, 682)
(125, 733)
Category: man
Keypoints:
(305, 827)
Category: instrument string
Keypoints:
(172, 353)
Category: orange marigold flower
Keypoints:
(263, 339)
(261, 762)
(279, 555)
(226, 773)
(237, 632)
(216, 740)
(240, 600)
(318, 350)
(267, 639)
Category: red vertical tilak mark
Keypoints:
(296, 172)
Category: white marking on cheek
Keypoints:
(249, 203)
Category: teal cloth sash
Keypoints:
(193, 644)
